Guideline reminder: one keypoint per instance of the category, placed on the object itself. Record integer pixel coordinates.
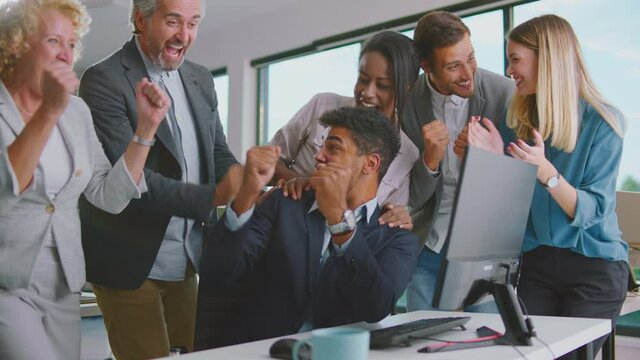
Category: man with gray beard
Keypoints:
(142, 263)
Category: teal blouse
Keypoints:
(592, 168)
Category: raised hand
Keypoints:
(294, 187)
(534, 155)
(436, 138)
(396, 216)
(331, 182)
(59, 81)
(258, 171)
(485, 137)
(461, 141)
(152, 104)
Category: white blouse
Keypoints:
(56, 163)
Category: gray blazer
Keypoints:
(121, 249)
(490, 99)
(27, 218)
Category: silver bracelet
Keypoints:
(144, 142)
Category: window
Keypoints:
(611, 49)
(292, 83)
(487, 36)
(221, 83)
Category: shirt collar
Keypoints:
(440, 98)
(154, 71)
(369, 207)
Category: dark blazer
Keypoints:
(490, 99)
(281, 244)
(121, 249)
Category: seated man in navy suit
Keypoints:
(322, 260)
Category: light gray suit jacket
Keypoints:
(27, 218)
(490, 99)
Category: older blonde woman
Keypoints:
(574, 261)
(49, 156)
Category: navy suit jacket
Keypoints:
(281, 244)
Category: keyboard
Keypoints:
(402, 334)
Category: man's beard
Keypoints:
(167, 65)
(161, 62)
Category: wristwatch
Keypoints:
(552, 181)
(348, 223)
(142, 141)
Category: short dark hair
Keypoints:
(435, 30)
(399, 52)
(371, 131)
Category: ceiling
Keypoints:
(110, 26)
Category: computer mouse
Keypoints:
(281, 349)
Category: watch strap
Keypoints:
(142, 141)
(346, 224)
(553, 178)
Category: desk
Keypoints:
(89, 305)
(560, 334)
(628, 347)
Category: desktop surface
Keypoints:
(560, 334)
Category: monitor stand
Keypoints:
(517, 330)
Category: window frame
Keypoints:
(222, 72)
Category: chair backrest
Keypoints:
(628, 210)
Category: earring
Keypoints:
(395, 115)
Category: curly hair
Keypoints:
(19, 19)
(371, 131)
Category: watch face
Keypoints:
(553, 181)
(350, 218)
(348, 223)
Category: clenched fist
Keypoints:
(58, 83)
(331, 182)
(258, 171)
(152, 104)
(436, 138)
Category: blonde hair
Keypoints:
(19, 19)
(562, 81)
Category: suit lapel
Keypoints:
(476, 102)
(425, 110)
(316, 227)
(201, 113)
(67, 133)
(365, 227)
(132, 61)
(66, 130)
(417, 112)
(9, 112)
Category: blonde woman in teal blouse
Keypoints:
(575, 261)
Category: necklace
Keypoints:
(24, 111)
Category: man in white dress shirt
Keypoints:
(450, 92)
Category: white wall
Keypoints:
(287, 27)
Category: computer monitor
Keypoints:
(487, 226)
